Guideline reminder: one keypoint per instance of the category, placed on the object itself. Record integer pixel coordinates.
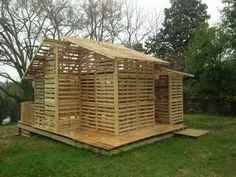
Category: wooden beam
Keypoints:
(176, 72)
(116, 96)
(56, 87)
(52, 42)
(169, 99)
(96, 95)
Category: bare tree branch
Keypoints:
(102, 19)
(24, 23)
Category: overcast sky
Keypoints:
(214, 7)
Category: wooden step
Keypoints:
(194, 133)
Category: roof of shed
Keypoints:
(104, 48)
(112, 50)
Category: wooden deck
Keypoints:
(105, 141)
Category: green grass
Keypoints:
(212, 155)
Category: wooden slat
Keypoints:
(136, 95)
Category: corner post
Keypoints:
(170, 98)
(56, 87)
(116, 97)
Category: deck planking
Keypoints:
(106, 141)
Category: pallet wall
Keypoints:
(162, 99)
(176, 100)
(50, 96)
(104, 98)
(169, 98)
(87, 81)
(39, 99)
(97, 92)
(135, 95)
(27, 112)
(68, 88)
(44, 96)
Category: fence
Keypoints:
(193, 106)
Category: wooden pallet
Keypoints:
(194, 133)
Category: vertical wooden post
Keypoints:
(95, 79)
(116, 97)
(80, 105)
(182, 99)
(154, 94)
(56, 87)
(137, 93)
(170, 98)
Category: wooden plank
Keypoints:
(116, 97)
(56, 88)
(170, 98)
(194, 133)
(104, 141)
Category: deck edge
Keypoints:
(78, 144)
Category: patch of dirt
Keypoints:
(8, 132)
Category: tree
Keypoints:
(182, 21)
(229, 16)
(23, 23)
(9, 106)
(61, 18)
(209, 60)
(137, 24)
(101, 19)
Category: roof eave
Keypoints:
(177, 72)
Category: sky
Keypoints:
(214, 7)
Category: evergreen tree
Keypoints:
(181, 22)
(229, 20)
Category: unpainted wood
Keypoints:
(104, 141)
(162, 99)
(136, 95)
(79, 89)
(194, 133)
(69, 95)
(27, 112)
(112, 50)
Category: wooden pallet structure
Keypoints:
(101, 94)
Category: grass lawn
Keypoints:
(212, 155)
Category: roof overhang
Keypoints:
(168, 71)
